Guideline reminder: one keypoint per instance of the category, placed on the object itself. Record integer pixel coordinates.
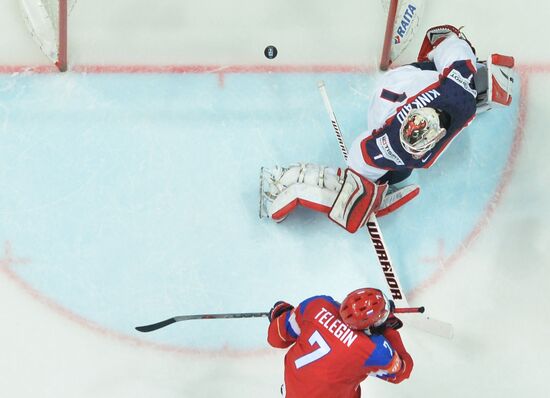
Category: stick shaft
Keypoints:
(161, 324)
(332, 116)
(374, 229)
(410, 310)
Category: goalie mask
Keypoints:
(364, 308)
(420, 131)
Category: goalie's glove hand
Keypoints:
(392, 322)
(435, 35)
(279, 308)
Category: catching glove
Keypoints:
(434, 36)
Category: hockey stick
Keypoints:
(430, 325)
(158, 325)
(161, 324)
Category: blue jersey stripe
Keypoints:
(382, 354)
(305, 303)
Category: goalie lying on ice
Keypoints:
(416, 112)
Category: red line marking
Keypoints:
(8, 260)
(439, 258)
(224, 69)
(6, 69)
(87, 324)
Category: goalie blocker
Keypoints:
(357, 200)
(347, 197)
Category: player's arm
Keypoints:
(283, 330)
(401, 365)
(389, 361)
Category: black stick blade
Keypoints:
(155, 326)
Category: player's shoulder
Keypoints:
(316, 303)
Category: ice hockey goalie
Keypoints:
(416, 111)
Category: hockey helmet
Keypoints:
(420, 131)
(364, 308)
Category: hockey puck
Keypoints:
(270, 52)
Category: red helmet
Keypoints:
(364, 308)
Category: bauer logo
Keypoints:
(405, 22)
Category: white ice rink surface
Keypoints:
(495, 294)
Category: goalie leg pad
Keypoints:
(309, 185)
(357, 200)
(310, 196)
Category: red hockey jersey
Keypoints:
(326, 358)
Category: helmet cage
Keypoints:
(420, 131)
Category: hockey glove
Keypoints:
(404, 372)
(392, 322)
(434, 36)
(279, 308)
(407, 364)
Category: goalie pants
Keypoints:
(394, 176)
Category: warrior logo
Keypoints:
(384, 261)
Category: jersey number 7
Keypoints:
(320, 352)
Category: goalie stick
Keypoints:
(425, 323)
(161, 324)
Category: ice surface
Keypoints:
(128, 198)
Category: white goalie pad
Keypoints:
(284, 188)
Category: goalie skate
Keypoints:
(396, 198)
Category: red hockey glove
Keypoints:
(279, 308)
(405, 370)
(407, 364)
(434, 36)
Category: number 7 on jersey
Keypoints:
(320, 352)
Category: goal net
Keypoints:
(403, 19)
(47, 22)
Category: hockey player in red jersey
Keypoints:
(416, 112)
(334, 347)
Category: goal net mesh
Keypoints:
(45, 20)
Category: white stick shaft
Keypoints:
(385, 262)
(332, 116)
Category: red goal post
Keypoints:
(47, 22)
(403, 19)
